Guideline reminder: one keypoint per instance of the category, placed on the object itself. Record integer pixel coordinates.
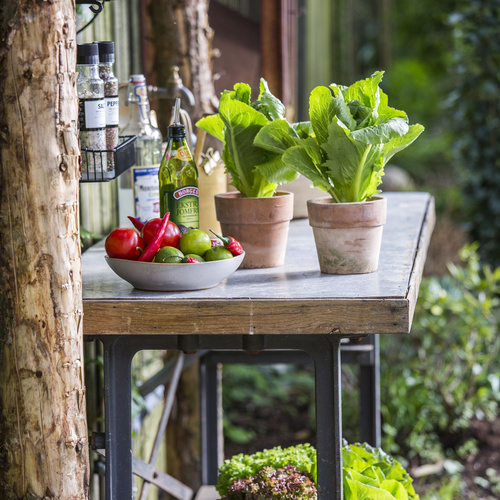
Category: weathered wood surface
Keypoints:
(43, 429)
(293, 299)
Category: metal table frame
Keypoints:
(364, 352)
(276, 309)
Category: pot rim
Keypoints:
(328, 200)
(237, 195)
(323, 212)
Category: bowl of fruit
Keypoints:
(158, 256)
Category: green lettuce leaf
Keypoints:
(357, 133)
(254, 171)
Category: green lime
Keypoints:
(195, 241)
(163, 253)
(173, 259)
(218, 253)
(197, 257)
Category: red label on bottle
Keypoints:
(187, 191)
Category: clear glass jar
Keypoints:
(106, 61)
(138, 188)
(91, 113)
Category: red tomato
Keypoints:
(172, 234)
(124, 244)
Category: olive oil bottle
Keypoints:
(178, 177)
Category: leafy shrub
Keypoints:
(287, 483)
(243, 466)
(367, 473)
(476, 101)
(447, 372)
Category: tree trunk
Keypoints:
(182, 37)
(43, 431)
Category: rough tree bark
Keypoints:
(43, 431)
(181, 36)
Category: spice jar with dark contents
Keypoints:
(106, 61)
(91, 112)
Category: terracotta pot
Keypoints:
(347, 235)
(259, 224)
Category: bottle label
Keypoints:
(92, 114)
(183, 205)
(146, 191)
(182, 153)
(112, 111)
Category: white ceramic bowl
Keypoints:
(174, 277)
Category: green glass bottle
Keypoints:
(178, 178)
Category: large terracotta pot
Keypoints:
(348, 236)
(259, 224)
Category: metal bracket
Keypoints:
(96, 6)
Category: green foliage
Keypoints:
(285, 483)
(248, 389)
(236, 125)
(447, 372)
(354, 133)
(371, 473)
(368, 472)
(476, 102)
(243, 466)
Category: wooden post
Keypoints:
(43, 431)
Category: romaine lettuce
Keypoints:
(353, 133)
(236, 125)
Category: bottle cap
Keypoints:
(106, 52)
(176, 130)
(134, 79)
(87, 53)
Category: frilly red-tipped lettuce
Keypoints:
(368, 473)
(353, 134)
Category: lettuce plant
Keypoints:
(352, 135)
(236, 125)
(367, 473)
(270, 483)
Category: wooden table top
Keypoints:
(295, 298)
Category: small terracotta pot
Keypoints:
(259, 224)
(348, 236)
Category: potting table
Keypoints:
(293, 307)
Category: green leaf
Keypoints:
(323, 108)
(352, 165)
(382, 133)
(242, 92)
(277, 137)
(299, 158)
(237, 124)
(268, 104)
(399, 143)
(242, 123)
(213, 125)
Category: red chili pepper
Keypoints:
(154, 245)
(190, 260)
(230, 243)
(136, 222)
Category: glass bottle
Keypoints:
(106, 61)
(179, 177)
(138, 188)
(91, 111)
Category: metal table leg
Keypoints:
(118, 427)
(369, 395)
(323, 349)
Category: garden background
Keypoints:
(440, 386)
